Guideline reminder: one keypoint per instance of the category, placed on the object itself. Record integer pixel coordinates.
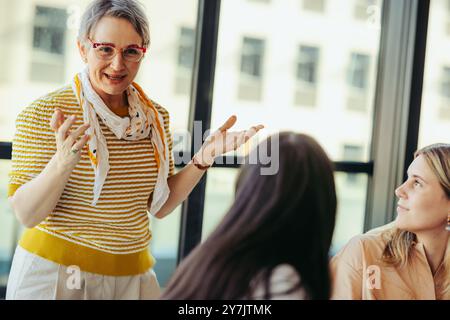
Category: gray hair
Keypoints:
(130, 10)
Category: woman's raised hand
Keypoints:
(68, 144)
(223, 141)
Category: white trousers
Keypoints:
(36, 278)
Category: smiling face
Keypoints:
(110, 78)
(423, 204)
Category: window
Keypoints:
(357, 79)
(435, 110)
(186, 50)
(361, 9)
(358, 71)
(252, 56)
(353, 153)
(49, 34)
(308, 64)
(447, 18)
(307, 70)
(314, 5)
(303, 60)
(251, 69)
(444, 108)
(8, 225)
(445, 85)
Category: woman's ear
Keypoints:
(83, 50)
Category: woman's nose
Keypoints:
(400, 191)
(118, 62)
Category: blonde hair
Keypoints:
(399, 244)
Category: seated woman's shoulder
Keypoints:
(369, 244)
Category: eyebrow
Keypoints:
(134, 45)
(416, 176)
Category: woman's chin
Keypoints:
(115, 90)
(400, 223)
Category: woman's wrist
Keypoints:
(199, 161)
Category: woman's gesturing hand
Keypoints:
(223, 141)
(68, 144)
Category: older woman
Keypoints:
(409, 259)
(85, 193)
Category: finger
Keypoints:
(79, 145)
(259, 127)
(253, 130)
(64, 128)
(79, 131)
(228, 124)
(57, 119)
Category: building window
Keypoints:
(447, 17)
(49, 33)
(307, 64)
(357, 80)
(361, 9)
(353, 153)
(251, 71)
(444, 110)
(358, 71)
(314, 5)
(252, 56)
(185, 60)
(307, 70)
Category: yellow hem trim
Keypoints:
(12, 188)
(90, 260)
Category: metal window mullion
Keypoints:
(5, 150)
(201, 107)
(399, 72)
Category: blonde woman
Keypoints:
(409, 258)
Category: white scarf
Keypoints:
(145, 121)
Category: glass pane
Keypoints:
(351, 192)
(435, 114)
(164, 245)
(318, 75)
(220, 189)
(8, 225)
(44, 57)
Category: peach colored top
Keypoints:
(358, 273)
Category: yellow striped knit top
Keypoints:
(110, 238)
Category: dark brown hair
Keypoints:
(285, 218)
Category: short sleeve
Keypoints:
(346, 272)
(33, 144)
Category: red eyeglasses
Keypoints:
(107, 51)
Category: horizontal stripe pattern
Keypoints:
(119, 223)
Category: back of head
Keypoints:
(284, 218)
